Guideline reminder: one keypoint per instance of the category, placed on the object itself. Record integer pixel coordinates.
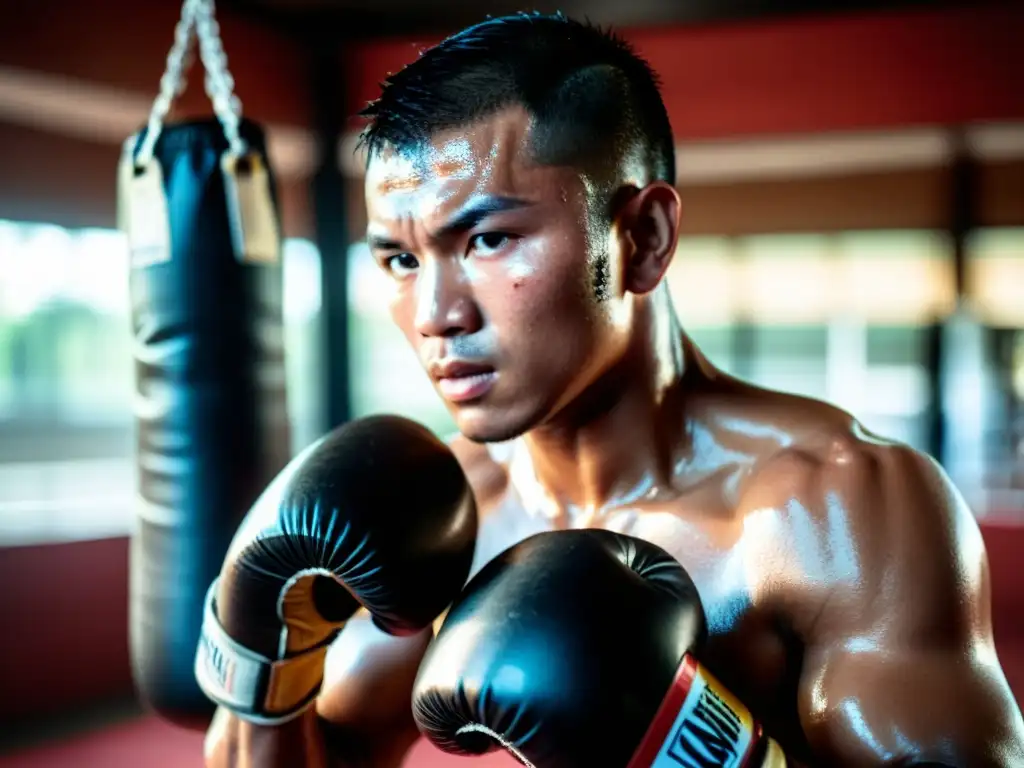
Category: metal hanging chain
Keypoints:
(197, 18)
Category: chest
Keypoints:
(753, 644)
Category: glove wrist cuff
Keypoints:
(256, 688)
(700, 723)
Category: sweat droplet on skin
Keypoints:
(519, 271)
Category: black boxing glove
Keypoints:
(376, 514)
(577, 648)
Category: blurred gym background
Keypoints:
(853, 184)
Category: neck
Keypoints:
(618, 442)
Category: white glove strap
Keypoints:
(257, 689)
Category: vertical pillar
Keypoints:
(958, 359)
(330, 217)
(943, 358)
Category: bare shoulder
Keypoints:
(880, 521)
(827, 455)
(836, 467)
(485, 470)
(885, 581)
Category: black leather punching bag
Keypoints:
(210, 406)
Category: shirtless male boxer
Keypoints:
(520, 195)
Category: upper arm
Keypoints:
(900, 663)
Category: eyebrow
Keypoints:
(466, 219)
(378, 243)
(478, 210)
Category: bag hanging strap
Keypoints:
(198, 22)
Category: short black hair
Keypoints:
(592, 98)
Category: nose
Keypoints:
(444, 303)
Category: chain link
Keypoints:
(198, 19)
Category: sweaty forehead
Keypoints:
(492, 156)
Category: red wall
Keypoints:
(124, 44)
(64, 641)
(809, 75)
(1005, 545)
(781, 76)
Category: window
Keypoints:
(995, 276)
(995, 287)
(66, 377)
(65, 345)
(838, 316)
(842, 316)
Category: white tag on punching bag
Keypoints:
(142, 211)
(252, 219)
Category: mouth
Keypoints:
(460, 382)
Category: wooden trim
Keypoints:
(92, 112)
(915, 199)
(64, 180)
(902, 199)
(1001, 194)
(71, 182)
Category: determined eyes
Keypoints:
(402, 264)
(483, 244)
(488, 242)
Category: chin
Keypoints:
(490, 424)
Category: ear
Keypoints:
(649, 223)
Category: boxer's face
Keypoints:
(492, 264)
